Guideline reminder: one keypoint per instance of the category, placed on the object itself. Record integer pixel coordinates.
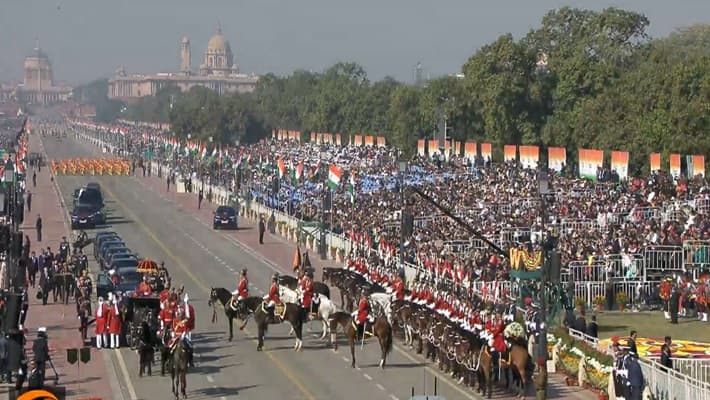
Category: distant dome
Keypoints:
(185, 39)
(37, 53)
(218, 44)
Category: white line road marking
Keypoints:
(368, 377)
(382, 388)
(124, 371)
(222, 398)
(393, 397)
(210, 379)
(345, 359)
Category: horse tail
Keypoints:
(388, 341)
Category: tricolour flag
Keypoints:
(351, 187)
(299, 170)
(282, 168)
(334, 176)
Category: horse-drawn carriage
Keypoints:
(137, 310)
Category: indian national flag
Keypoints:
(299, 170)
(282, 168)
(203, 152)
(351, 187)
(335, 174)
(313, 176)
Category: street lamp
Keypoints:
(402, 164)
(322, 251)
(9, 178)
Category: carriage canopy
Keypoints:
(147, 266)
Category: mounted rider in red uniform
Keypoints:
(398, 288)
(307, 294)
(179, 332)
(363, 312)
(273, 297)
(242, 291)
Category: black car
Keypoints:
(102, 237)
(127, 282)
(124, 265)
(89, 196)
(114, 251)
(86, 216)
(107, 246)
(225, 217)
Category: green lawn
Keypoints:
(650, 325)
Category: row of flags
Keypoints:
(334, 179)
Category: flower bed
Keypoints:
(571, 355)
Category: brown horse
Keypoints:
(517, 360)
(381, 329)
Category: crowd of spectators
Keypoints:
(603, 227)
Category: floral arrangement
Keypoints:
(570, 353)
(514, 330)
(599, 300)
(579, 302)
(621, 298)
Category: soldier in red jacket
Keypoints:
(180, 329)
(242, 291)
(307, 293)
(398, 288)
(273, 298)
(114, 324)
(363, 312)
(101, 324)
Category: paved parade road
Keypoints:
(200, 258)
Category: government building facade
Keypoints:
(38, 86)
(218, 72)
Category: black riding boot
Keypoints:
(272, 315)
(190, 358)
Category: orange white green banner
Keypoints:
(589, 161)
(487, 151)
(698, 166)
(381, 141)
(529, 156)
(675, 165)
(620, 163)
(470, 150)
(369, 140)
(509, 152)
(433, 147)
(358, 140)
(556, 158)
(655, 161)
(421, 147)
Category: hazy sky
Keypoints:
(87, 39)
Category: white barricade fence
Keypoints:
(465, 246)
(672, 385)
(570, 226)
(625, 267)
(695, 368)
(663, 258)
(701, 205)
(508, 236)
(589, 290)
(644, 214)
(696, 254)
(579, 335)
(584, 271)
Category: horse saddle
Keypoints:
(234, 304)
(279, 309)
(365, 329)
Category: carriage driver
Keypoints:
(273, 296)
(180, 332)
(242, 291)
(144, 288)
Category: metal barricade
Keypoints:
(465, 246)
(589, 290)
(696, 254)
(672, 385)
(643, 214)
(695, 368)
(509, 236)
(625, 267)
(570, 226)
(663, 258)
(584, 271)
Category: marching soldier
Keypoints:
(114, 323)
(101, 320)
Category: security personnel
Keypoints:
(64, 249)
(40, 348)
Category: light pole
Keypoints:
(402, 164)
(9, 178)
(322, 251)
(544, 190)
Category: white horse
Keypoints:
(381, 305)
(326, 307)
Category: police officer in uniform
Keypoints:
(64, 249)
(262, 229)
(674, 303)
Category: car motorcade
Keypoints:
(111, 251)
(225, 217)
(86, 216)
(127, 283)
(124, 264)
(102, 236)
(120, 256)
